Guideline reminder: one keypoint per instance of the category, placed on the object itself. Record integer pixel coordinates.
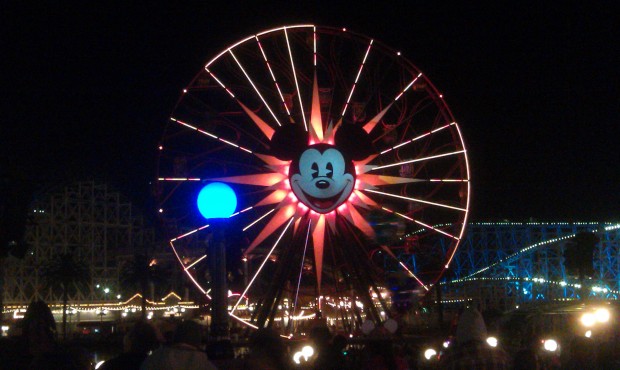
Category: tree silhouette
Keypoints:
(139, 273)
(65, 274)
(578, 256)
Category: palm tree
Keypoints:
(140, 273)
(65, 274)
(578, 256)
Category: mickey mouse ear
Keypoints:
(288, 141)
(354, 141)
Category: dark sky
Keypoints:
(87, 89)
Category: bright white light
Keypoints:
(602, 315)
(446, 344)
(99, 364)
(297, 357)
(307, 351)
(492, 341)
(550, 345)
(118, 296)
(106, 290)
(588, 319)
(429, 353)
(588, 333)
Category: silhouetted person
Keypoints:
(582, 354)
(137, 344)
(40, 350)
(527, 358)
(328, 356)
(470, 350)
(267, 351)
(184, 353)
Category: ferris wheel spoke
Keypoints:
(415, 200)
(359, 73)
(210, 135)
(290, 54)
(429, 227)
(254, 87)
(262, 265)
(391, 254)
(448, 180)
(274, 223)
(368, 127)
(273, 76)
(189, 233)
(189, 275)
(258, 219)
(380, 180)
(418, 160)
(259, 179)
(179, 179)
(262, 125)
(303, 259)
(417, 138)
(195, 262)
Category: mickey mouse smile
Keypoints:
(323, 204)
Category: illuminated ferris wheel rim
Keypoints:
(371, 43)
(376, 43)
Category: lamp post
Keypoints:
(217, 202)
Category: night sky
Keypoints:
(87, 89)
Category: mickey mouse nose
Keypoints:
(322, 184)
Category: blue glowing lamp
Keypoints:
(217, 200)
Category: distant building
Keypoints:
(103, 230)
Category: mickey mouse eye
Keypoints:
(315, 170)
(330, 170)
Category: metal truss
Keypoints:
(502, 265)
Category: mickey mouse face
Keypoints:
(322, 176)
(324, 180)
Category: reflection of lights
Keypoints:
(19, 313)
(99, 364)
(588, 333)
(602, 315)
(588, 319)
(550, 345)
(429, 353)
(492, 341)
(307, 351)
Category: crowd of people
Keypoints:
(185, 347)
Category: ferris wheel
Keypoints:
(339, 148)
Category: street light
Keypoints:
(217, 202)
